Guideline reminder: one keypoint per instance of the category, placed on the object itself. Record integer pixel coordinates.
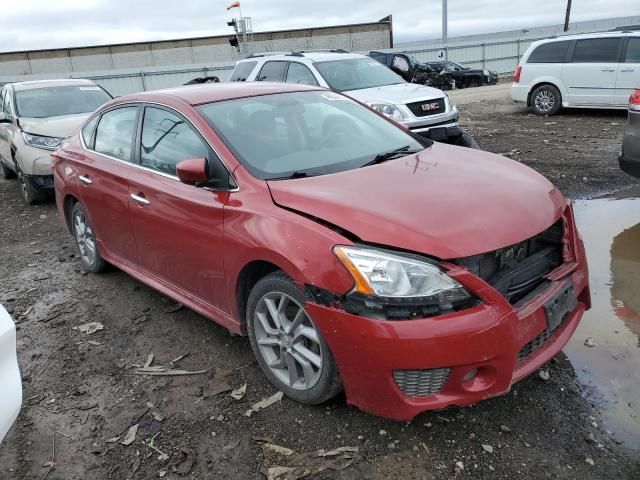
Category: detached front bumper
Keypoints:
(398, 369)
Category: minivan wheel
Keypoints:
(546, 100)
(30, 194)
(6, 172)
(289, 348)
(85, 239)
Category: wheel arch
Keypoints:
(246, 279)
(67, 205)
(540, 84)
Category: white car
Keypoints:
(424, 110)
(10, 382)
(597, 70)
(34, 118)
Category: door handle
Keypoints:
(85, 180)
(608, 69)
(140, 200)
(628, 70)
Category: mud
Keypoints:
(83, 390)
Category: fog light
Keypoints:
(471, 374)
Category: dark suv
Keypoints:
(630, 156)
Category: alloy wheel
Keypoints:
(545, 101)
(287, 341)
(85, 237)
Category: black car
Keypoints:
(414, 71)
(630, 156)
(467, 77)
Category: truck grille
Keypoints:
(518, 270)
(426, 108)
(421, 383)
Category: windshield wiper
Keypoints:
(296, 174)
(398, 152)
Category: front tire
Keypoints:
(289, 348)
(30, 194)
(85, 238)
(6, 172)
(546, 100)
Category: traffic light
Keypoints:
(232, 23)
(233, 41)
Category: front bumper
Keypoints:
(42, 183)
(503, 342)
(9, 374)
(34, 161)
(423, 124)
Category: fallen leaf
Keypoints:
(130, 437)
(239, 393)
(276, 472)
(261, 405)
(89, 328)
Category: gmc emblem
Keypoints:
(430, 106)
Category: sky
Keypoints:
(39, 24)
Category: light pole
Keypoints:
(444, 21)
(567, 16)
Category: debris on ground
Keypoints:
(261, 405)
(590, 342)
(176, 307)
(185, 462)
(239, 393)
(505, 429)
(282, 463)
(130, 437)
(459, 467)
(149, 426)
(160, 370)
(589, 461)
(487, 448)
(89, 328)
(544, 375)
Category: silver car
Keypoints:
(10, 382)
(34, 118)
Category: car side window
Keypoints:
(400, 63)
(6, 109)
(2, 98)
(272, 72)
(167, 140)
(596, 50)
(87, 132)
(553, 52)
(242, 71)
(115, 132)
(633, 51)
(299, 73)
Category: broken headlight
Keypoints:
(402, 281)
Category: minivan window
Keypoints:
(633, 51)
(554, 52)
(596, 50)
(56, 101)
(167, 140)
(114, 135)
(272, 72)
(289, 135)
(242, 71)
(298, 73)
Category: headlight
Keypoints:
(38, 141)
(389, 110)
(382, 274)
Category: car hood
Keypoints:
(61, 126)
(447, 202)
(398, 94)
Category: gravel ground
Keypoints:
(81, 390)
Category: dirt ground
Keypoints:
(82, 393)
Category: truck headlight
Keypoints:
(382, 274)
(389, 110)
(39, 141)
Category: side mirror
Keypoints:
(193, 170)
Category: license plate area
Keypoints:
(560, 306)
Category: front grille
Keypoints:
(421, 383)
(426, 108)
(534, 345)
(518, 270)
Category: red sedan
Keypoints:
(354, 254)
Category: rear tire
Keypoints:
(546, 100)
(85, 239)
(6, 172)
(289, 348)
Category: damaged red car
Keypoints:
(354, 254)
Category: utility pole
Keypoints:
(444, 21)
(567, 16)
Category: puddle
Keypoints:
(610, 371)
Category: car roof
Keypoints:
(309, 55)
(584, 36)
(216, 92)
(33, 84)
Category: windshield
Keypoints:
(304, 133)
(356, 73)
(55, 101)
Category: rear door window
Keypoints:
(242, 71)
(633, 51)
(554, 52)
(272, 72)
(115, 133)
(299, 73)
(596, 50)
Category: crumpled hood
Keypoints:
(61, 126)
(399, 94)
(448, 202)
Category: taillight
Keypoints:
(634, 100)
(516, 79)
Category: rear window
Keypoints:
(242, 71)
(554, 52)
(596, 50)
(633, 51)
